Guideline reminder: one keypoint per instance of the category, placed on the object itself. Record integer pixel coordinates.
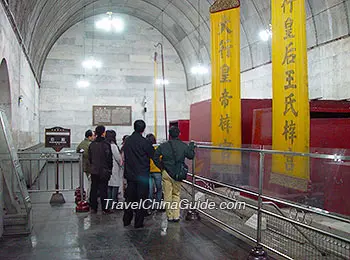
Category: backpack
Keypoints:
(182, 174)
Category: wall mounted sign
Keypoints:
(111, 115)
(57, 138)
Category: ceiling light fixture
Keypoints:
(91, 63)
(199, 69)
(265, 35)
(109, 23)
(83, 83)
(160, 82)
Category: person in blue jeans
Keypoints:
(155, 180)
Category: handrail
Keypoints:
(64, 152)
(254, 150)
(309, 209)
(32, 147)
(50, 159)
(311, 155)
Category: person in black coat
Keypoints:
(101, 160)
(137, 151)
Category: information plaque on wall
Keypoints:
(111, 115)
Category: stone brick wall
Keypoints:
(329, 76)
(25, 116)
(126, 76)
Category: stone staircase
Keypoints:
(15, 204)
(17, 224)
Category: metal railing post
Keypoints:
(258, 252)
(47, 173)
(193, 214)
(193, 179)
(71, 175)
(57, 198)
(63, 177)
(261, 180)
(57, 172)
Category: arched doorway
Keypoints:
(5, 97)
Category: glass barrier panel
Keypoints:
(227, 167)
(319, 183)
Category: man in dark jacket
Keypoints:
(170, 165)
(101, 161)
(83, 147)
(137, 151)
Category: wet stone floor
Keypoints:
(59, 233)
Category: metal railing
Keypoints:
(51, 171)
(290, 229)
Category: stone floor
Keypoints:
(60, 233)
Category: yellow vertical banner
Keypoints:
(291, 115)
(226, 76)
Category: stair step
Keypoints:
(16, 231)
(17, 224)
(15, 219)
(20, 215)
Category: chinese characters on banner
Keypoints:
(226, 94)
(291, 116)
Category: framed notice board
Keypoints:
(57, 138)
(111, 115)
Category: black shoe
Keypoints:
(126, 224)
(141, 226)
(93, 211)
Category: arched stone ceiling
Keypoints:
(42, 22)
